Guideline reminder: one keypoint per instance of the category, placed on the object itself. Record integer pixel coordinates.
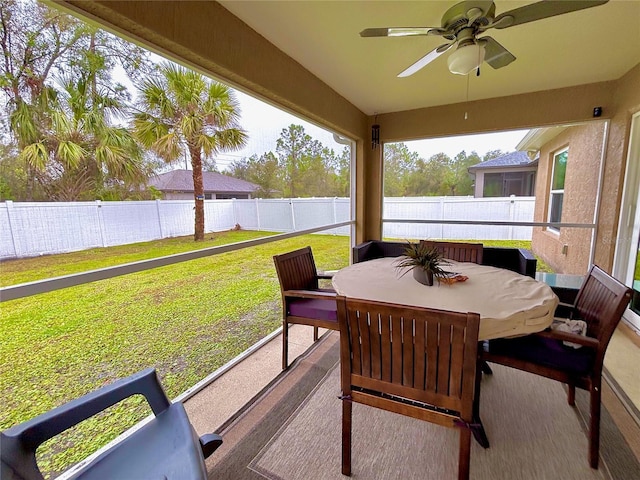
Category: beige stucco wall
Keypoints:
(585, 144)
(177, 196)
(626, 96)
(205, 36)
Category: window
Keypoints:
(493, 185)
(556, 195)
(509, 183)
(231, 196)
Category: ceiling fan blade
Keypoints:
(495, 54)
(428, 58)
(540, 10)
(401, 31)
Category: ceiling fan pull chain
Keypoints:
(465, 113)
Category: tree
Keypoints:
(491, 154)
(315, 174)
(340, 172)
(241, 168)
(462, 180)
(264, 171)
(11, 173)
(399, 163)
(267, 175)
(181, 109)
(303, 166)
(60, 100)
(74, 149)
(34, 40)
(291, 147)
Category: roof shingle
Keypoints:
(182, 180)
(513, 159)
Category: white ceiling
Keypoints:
(592, 45)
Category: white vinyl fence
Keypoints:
(29, 229)
(512, 209)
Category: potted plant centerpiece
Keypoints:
(425, 262)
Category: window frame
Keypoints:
(557, 191)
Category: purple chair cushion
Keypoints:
(314, 308)
(545, 351)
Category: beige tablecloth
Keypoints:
(509, 304)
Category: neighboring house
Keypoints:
(510, 174)
(178, 185)
(566, 191)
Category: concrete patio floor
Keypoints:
(238, 386)
(220, 400)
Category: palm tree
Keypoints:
(181, 109)
(69, 143)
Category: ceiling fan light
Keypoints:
(466, 59)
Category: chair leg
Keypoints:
(571, 394)
(315, 334)
(594, 427)
(346, 437)
(479, 432)
(285, 345)
(464, 458)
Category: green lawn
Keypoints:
(186, 320)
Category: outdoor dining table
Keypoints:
(509, 304)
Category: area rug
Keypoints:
(534, 434)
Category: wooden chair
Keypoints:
(413, 361)
(600, 303)
(460, 252)
(303, 301)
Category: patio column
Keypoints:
(369, 193)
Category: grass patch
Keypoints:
(48, 266)
(186, 320)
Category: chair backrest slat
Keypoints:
(444, 358)
(458, 251)
(419, 353)
(385, 352)
(432, 355)
(457, 360)
(296, 270)
(396, 349)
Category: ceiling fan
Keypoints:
(462, 24)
